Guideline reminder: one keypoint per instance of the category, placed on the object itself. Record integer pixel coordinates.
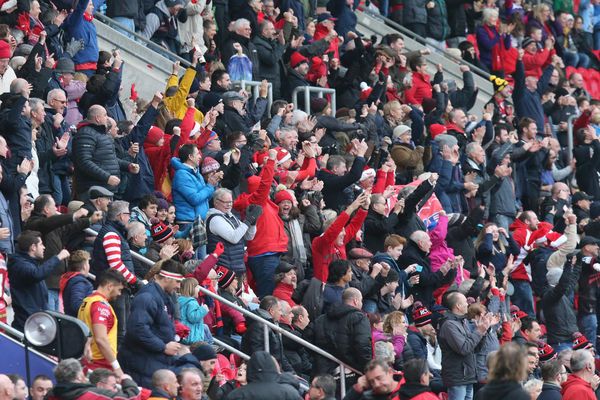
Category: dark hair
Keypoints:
(268, 302)
(337, 269)
(173, 266)
(186, 151)
(499, 128)
(110, 276)
(327, 384)
(550, 369)
(172, 123)
(28, 238)
(103, 56)
(416, 61)
(580, 135)
(15, 378)
(231, 138)
(100, 375)
(414, 370)
(41, 202)
(124, 126)
(217, 75)
(40, 377)
(277, 104)
(391, 38)
(95, 83)
(524, 123)
(527, 323)
(147, 200)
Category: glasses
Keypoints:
(225, 202)
(61, 101)
(126, 213)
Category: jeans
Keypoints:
(558, 347)
(61, 192)
(455, 41)
(463, 392)
(503, 221)
(576, 60)
(127, 23)
(52, 300)
(588, 325)
(384, 7)
(263, 273)
(523, 297)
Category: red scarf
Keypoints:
(88, 17)
(496, 50)
(62, 284)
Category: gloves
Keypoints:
(240, 328)
(219, 249)
(252, 213)
(74, 46)
(134, 93)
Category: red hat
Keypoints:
(253, 183)
(4, 49)
(421, 316)
(209, 165)
(367, 173)
(154, 135)
(546, 352)
(516, 313)
(282, 155)
(297, 59)
(555, 239)
(160, 231)
(581, 342)
(283, 195)
(437, 129)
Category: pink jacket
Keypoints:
(440, 252)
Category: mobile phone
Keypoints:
(419, 268)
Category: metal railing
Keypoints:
(255, 85)
(313, 89)
(150, 44)
(570, 143)
(424, 42)
(343, 367)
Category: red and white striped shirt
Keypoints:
(112, 249)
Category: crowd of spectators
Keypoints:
(437, 249)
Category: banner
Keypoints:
(429, 213)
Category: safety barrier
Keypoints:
(255, 85)
(313, 89)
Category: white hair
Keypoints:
(240, 24)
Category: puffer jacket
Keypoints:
(190, 193)
(149, 328)
(95, 158)
(77, 27)
(415, 12)
(269, 54)
(192, 316)
(345, 332)
(458, 344)
(437, 21)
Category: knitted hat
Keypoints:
(4, 49)
(154, 135)
(204, 352)
(581, 342)
(172, 3)
(546, 352)
(160, 231)
(499, 83)
(400, 130)
(421, 315)
(445, 139)
(429, 104)
(297, 59)
(368, 173)
(526, 42)
(282, 155)
(209, 165)
(63, 65)
(318, 104)
(283, 195)
(225, 276)
(437, 129)
(553, 276)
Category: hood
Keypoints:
(262, 368)
(410, 390)
(340, 311)
(518, 224)
(573, 381)
(69, 391)
(213, 211)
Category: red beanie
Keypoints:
(154, 135)
(253, 183)
(297, 59)
(283, 195)
(436, 129)
(4, 49)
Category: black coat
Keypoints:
(270, 54)
(248, 48)
(254, 340)
(428, 280)
(550, 392)
(95, 158)
(409, 221)
(296, 353)
(500, 390)
(16, 129)
(263, 382)
(587, 168)
(377, 227)
(344, 332)
(334, 185)
(457, 18)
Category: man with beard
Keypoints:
(378, 382)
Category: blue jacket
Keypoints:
(27, 286)
(528, 103)
(192, 316)
(76, 27)
(149, 328)
(346, 19)
(77, 289)
(190, 192)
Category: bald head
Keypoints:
(352, 297)
(20, 86)
(97, 115)
(7, 388)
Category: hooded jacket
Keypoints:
(550, 392)
(190, 192)
(87, 391)
(576, 388)
(344, 332)
(263, 381)
(500, 390)
(416, 391)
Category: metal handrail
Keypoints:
(263, 321)
(422, 41)
(313, 89)
(570, 143)
(255, 85)
(150, 44)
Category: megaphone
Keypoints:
(56, 334)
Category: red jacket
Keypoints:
(535, 63)
(324, 249)
(576, 388)
(270, 232)
(421, 89)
